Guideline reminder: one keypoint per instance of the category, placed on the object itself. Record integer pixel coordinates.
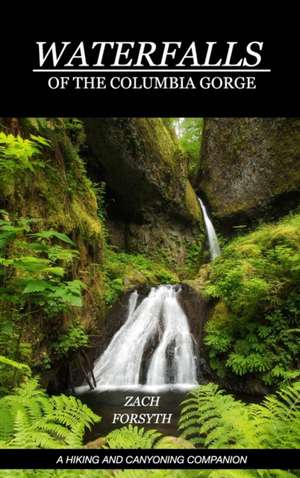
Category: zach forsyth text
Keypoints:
(142, 418)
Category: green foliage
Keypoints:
(34, 268)
(212, 419)
(278, 418)
(100, 191)
(75, 130)
(31, 419)
(209, 418)
(18, 154)
(132, 437)
(147, 474)
(194, 255)
(11, 371)
(73, 339)
(190, 137)
(34, 282)
(57, 128)
(123, 271)
(56, 473)
(189, 134)
(256, 279)
(246, 474)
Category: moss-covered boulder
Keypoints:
(151, 197)
(250, 168)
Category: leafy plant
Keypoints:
(34, 282)
(17, 153)
(129, 473)
(34, 267)
(256, 282)
(73, 339)
(132, 437)
(11, 371)
(212, 419)
(31, 419)
(189, 134)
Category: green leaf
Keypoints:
(36, 285)
(51, 233)
(40, 140)
(13, 363)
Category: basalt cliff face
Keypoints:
(250, 168)
(153, 207)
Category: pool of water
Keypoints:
(162, 407)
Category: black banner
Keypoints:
(151, 459)
(211, 78)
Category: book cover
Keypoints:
(150, 260)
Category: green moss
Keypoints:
(191, 201)
(156, 135)
(126, 271)
(257, 281)
(248, 165)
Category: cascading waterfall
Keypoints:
(158, 319)
(213, 242)
(156, 335)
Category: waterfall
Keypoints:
(213, 242)
(159, 320)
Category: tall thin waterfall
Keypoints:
(158, 320)
(213, 242)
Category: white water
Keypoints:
(160, 318)
(213, 242)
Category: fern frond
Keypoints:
(132, 437)
(278, 418)
(30, 419)
(213, 419)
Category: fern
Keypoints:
(213, 419)
(146, 474)
(17, 153)
(132, 437)
(14, 364)
(56, 473)
(11, 371)
(157, 474)
(245, 474)
(278, 418)
(30, 419)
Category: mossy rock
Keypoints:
(143, 164)
(168, 442)
(145, 170)
(250, 168)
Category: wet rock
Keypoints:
(174, 442)
(152, 206)
(250, 169)
(98, 443)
